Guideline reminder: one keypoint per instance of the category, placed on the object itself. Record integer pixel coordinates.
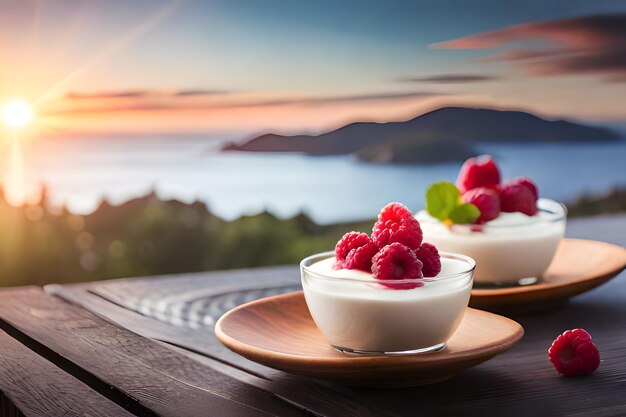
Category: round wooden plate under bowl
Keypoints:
(280, 333)
(578, 266)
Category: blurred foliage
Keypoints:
(146, 236)
(149, 236)
(589, 205)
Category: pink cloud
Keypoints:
(585, 45)
(146, 100)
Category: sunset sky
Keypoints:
(206, 66)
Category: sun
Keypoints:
(17, 114)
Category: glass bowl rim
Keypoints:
(305, 266)
(546, 205)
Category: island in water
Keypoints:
(447, 134)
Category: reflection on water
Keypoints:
(15, 187)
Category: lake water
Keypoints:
(330, 189)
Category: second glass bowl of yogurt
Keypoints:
(510, 250)
(360, 314)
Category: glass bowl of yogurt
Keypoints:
(513, 249)
(363, 315)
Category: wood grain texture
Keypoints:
(578, 266)
(279, 332)
(520, 382)
(130, 363)
(187, 300)
(37, 388)
(204, 347)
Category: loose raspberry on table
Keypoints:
(478, 172)
(397, 262)
(574, 353)
(396, 224)
(516, 196)
(428, 255)
(487, 200)
(355, 251)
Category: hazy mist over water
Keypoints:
(330, 189)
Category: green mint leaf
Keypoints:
(465, 213)
(441, 198)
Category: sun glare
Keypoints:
(17, 114)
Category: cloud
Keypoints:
(594, 45)
(122, 94)
(450, 79)
(126, 102)
(107, 94)
(361, 97)
(189, 93)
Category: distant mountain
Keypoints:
(448, 133)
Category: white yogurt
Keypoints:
(354, 312)
(508, 249)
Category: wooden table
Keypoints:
(145, 346)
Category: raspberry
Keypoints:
(517, 196)
(478, 172)
(355, 251)
(428, 255)
(528, 183)
(573, 353)
(396, 224)
(487, 201)
(397, 261)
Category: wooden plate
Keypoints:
(578, 266)
(280, 333)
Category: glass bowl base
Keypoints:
(430, 349)
(528, 281)
(522, 282)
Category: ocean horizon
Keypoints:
(79, 174)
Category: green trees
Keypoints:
(149, 236)
(145, 236)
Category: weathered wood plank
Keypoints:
(521, 382)
(299, 391)
(38, 388)
(198, 299)
(140, 368)
(508, 394)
